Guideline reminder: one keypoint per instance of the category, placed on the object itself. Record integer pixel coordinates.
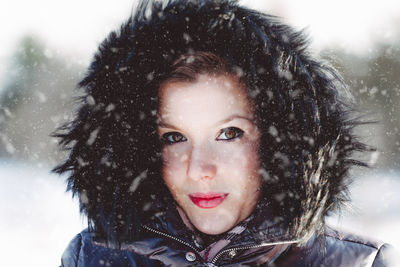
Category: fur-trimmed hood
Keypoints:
(114, 163)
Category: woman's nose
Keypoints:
(201, 164)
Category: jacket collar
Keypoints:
(258, 229)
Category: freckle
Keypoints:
(184, 157)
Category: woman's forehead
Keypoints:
(217, 96)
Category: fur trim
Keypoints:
(114, 162)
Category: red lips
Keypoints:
(208, 200)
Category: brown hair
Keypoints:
(189, 66)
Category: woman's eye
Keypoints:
(172, 138)
(230, 133)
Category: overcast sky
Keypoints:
(74, 28)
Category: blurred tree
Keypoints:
(374, 80)
(22, 73)
(36, 98)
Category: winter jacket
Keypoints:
(170, 243)
(306, 143)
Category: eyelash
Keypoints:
(168, 138)
(238, 133)
(165, 138)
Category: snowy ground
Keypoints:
(38, 219)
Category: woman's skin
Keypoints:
(210, 152)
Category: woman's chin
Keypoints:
(213, 225)
(213, 231)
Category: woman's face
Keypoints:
(210, 151)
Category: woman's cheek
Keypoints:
(174, 154)
(242, 169)
(240, 156)
(174, 162)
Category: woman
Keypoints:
(207, 136)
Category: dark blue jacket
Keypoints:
(340, 250)
(167, 242)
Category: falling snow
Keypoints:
(35, 99)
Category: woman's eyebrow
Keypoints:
(226, 120)
(233, 117)
(166, 125)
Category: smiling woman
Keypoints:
(208, 136)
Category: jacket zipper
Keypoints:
(172, 237)
(216, 257)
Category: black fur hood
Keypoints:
(114, 162)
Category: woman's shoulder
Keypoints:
(340, 248)
(71, 254)
(84, 251)
(344, 246)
